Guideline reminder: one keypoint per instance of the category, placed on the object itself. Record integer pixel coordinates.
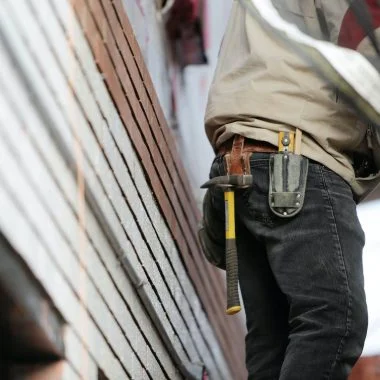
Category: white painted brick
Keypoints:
(49, 192)
(124, 144)
(90, 145)
(29, 246)
(48, 144)
(20, 189)
(97, 104)
(78, 356)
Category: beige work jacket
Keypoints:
(261, 87)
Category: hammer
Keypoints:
(229, 183)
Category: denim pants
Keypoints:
(301, 279)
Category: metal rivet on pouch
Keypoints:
(285, 213)
(298, 204)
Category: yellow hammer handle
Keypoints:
(233, 301)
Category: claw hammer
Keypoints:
(229, 183)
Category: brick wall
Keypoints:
(94, 199)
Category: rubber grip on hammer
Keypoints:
(233, 300)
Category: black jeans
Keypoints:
(301, 279)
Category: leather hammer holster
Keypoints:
(237, 155)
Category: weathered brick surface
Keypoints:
(96, 199)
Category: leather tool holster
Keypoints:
(288, 171)
(238, 153)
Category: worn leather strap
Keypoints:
(236, 163)
(237, 153)
(250, 145)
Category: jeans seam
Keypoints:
(349, 306)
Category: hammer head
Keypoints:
(226, 181)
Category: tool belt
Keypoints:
(287, 173)
(248, 146)
(288, 169)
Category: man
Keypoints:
(300, 257)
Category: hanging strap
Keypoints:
(236, 166)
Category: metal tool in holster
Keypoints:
(238, 177)
(288, 174)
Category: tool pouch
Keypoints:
(211, 235)
(287, 184)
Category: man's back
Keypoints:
(290, 153)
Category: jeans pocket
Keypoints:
(253, 201)
(337, 185)
(340, 195)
